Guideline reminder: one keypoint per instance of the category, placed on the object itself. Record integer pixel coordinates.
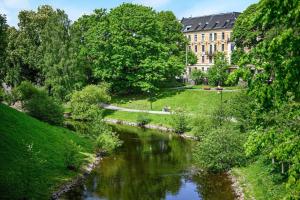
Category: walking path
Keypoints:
(210, 90)
(111, 107)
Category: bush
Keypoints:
(201, 126)
(2, 94)
(179, 121)
(220, 149)
(85, 104)
(71, 156)
(107, 141)
(197, 76)
(38, 104)
(142, 120)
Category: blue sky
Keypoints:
(75, 8)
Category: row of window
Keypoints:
(212, 48)
(212, 37)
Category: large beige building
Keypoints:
(207, 35)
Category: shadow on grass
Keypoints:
(163, 93)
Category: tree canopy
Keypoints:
(132, 47)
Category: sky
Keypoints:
(76, 8)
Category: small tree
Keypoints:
(179, 121)
(218, 74)
(85, 104)
(38, 104)
(197, 76)
(220, 149)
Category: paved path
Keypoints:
(111, 107)
(211, 89)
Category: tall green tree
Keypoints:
(217, 75)
(3, 44)
(41, 51)
(267, 36)
(132, 47)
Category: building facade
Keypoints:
(208, 35)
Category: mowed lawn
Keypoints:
(194, 102)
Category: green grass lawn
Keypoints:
(18, 174)
(257, 182)
(199, 102)
(194, 102)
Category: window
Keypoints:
(210, 49)
(210, 37)
(215, 36)
(203, 48)
(223, 47)
(196, 48)
(210, 59)
(190, 48)
(202, 68)
(203, 60)
(223, 36)
(203, 37)
(189, 37)
(195, 37)
(187, 28)
(215, 48)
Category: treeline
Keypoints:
(266, 119)
(133, 47)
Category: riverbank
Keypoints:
(32, 156)
(257, 183)
(78, 179)
(148, 126)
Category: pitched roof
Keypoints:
(209, 22)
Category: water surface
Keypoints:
(149, 166)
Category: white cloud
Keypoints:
(152, 3)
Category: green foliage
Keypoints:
(266, 30)
(217, 74)
(201, 126)
(132, 47)
(40, 51)
(108, 141)
(197, 76)
(38, 104)
(72, 157)
(3, 44)
(143, 120)
(2, 94)
(85, 104)
(192, 58)
(179, 121)
(220, 149)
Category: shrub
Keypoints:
(220, 149)
(201, 126)
(85, 104)
(2, 94)
(107, 141)
(142, 120)
(197, 76)
(179, 121)
(71, 156)
(38, 104)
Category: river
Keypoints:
(149, 166)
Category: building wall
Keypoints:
(205, 58)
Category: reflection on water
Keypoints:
(151, 166)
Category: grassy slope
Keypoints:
(195, 102)
(257, 182)
(18, 130)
